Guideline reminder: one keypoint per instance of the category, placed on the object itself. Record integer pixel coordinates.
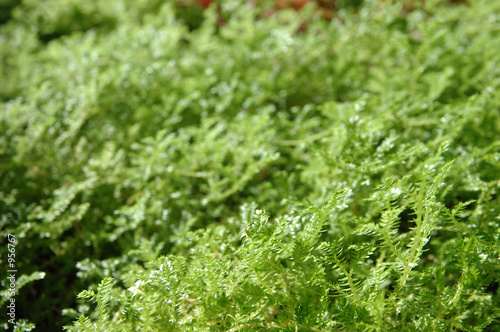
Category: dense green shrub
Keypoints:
(139, 150)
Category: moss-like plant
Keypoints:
(140, 147)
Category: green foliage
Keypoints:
(141, 140)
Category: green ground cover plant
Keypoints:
(164, 171)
